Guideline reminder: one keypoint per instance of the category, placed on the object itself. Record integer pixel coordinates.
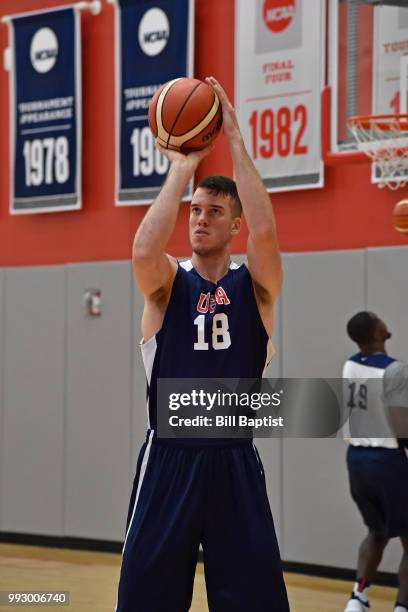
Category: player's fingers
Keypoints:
(213, 81)
(165, 150)
(217, 87)
(168, 153)
(220, 91)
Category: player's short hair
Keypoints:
(361, 327)
(225, 186)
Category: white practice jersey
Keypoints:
(363, 401)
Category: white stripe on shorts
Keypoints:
(139, 484)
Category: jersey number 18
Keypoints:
(221, 338)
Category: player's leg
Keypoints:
(402, 596)
(402, 525)
(370, 554)
(399, 522)
(241, 556)
(161, 546)
(367, 469)
(369, 558)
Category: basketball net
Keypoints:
(384, 139)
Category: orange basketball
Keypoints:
(185, 115)
(400, 216)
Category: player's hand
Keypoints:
(229, 117)
(189, 160)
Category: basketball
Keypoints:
(185, 115)
(400, 216)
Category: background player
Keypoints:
(206, 317)
(377, 466)
(395, 398)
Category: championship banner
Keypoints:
(45, 108)
(279, 79)
(154, 44)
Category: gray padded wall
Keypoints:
(321, 291)
(387, 294)
(2, 296)
(270, 450)
(33, 444)
(105, 419)
(98, 413)
(321, 522)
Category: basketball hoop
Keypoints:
(384, 139)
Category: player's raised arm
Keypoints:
(264, 260)
(154, 269)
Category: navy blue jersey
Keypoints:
(210, 330)
(379, 361)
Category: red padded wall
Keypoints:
(348, 213)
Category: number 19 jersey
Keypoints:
(363, 402)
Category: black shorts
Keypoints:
(214, 495)
(379, 486)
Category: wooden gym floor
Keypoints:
(91, 579)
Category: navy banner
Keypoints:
(153, 45)
(45, 106)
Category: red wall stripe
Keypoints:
(348, 213)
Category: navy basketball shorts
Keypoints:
(379, 486)
(184, 495)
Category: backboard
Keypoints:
(367, 67)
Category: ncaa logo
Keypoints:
(154, 31)
(44, 50)
(278, 14)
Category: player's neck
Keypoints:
(370, 349)
(211, 267)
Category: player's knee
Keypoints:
(379, 538)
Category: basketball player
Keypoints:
(396, 399)
(204, 318)
(378, 467)
(395, 396)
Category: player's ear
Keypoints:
(236, 226)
